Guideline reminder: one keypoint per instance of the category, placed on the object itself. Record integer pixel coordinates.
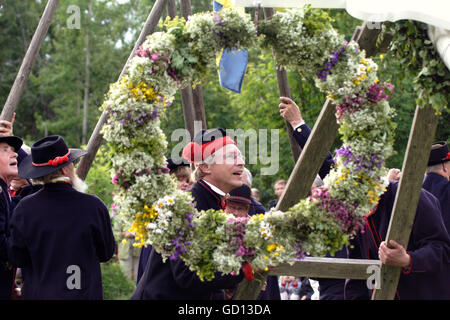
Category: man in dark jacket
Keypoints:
(425, 261)
(9, 146)
(437, 180)
(59, 235)
(219, 166)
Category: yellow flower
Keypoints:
(124, 241)
(381, 56)
(271, 247)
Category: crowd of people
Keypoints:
(57, 235)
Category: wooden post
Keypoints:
(27, 65)
(96, 138)
(408, 193)
(171, 9)
(192, 99)
(283, 88)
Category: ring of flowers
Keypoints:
(302, 40)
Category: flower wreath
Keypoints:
(303, 40)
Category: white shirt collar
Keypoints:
(215, 189)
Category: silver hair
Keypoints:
(318, 182)
(249, 177)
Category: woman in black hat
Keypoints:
(437, 180)
(58, 235)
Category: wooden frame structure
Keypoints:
(307, 163)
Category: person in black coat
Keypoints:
(437, 180)
(9, 146)
(219, 168)
(425, 261)
(59, 235)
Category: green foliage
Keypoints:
(99, 178)
(316, 20)
(116, 285)
(415, 52)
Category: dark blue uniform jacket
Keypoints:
(440, 188)
(173, 280)
(301, 135)
(429, 248)
(59, 236)
(6, 271)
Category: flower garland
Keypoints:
(213, 241)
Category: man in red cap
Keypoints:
(437, 180)
(219, 166)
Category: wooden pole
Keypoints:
(96, 138)
(172, 8)
(283, 88)
(27, 64)
(192, 99)
(408, 193)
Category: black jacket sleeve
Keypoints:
(301, 135)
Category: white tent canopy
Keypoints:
(435, 13)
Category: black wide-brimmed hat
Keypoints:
(439, 153)
(240, 194)
(172, 164)
(13, 141)
(48, 155)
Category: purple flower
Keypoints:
(322, 75)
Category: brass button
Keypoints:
(299, 129)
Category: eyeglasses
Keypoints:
(230, 157)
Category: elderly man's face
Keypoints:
(238, 209)
(227, 169)
(8, 162)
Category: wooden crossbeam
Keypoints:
(311, 267)
(27, 64)
(408, 193)
(314, 267)
(96, 139)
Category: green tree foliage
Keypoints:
(116, 286)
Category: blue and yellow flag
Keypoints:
(232, 63)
